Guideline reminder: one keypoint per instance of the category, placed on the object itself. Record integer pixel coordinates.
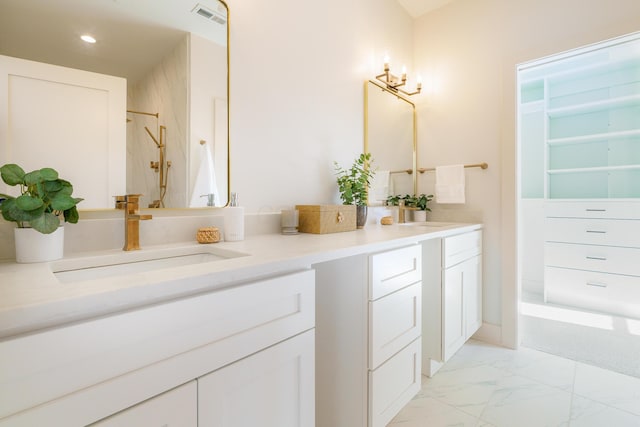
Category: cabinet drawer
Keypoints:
(393, 270)
(394, 384)
(605, 259)
(610, 293)
(232, 322)
(595, 209)
(175, 408)
(395, 321)
(609, 232)
(461, 247)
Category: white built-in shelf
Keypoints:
(594, 169)
(607, 104)
(594, 137)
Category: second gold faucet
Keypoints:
(130, 204)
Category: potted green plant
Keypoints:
(353, 184)
(45, 199)
(417, 204)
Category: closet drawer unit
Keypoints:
(395, 321)
(610, 232)
(461, 247)
(394, 270)
(394, 384)
(594, 291)
(595, 209)
(605, 259)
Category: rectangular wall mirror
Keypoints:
(390, 137)
(168, 137)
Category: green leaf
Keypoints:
(62, 202)
(12, 174)
(71, 215)
(11, 212)
(28, 203)
(48, 174)
(52, 186)
(32, 178)
(46, 224)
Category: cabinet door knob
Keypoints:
(596, 210)
(597, 258)
(597, 231)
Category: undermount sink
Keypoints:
(123, 263)
(433, 224)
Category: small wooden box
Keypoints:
(323, 219)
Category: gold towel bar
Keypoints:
(482, 165)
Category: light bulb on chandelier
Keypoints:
(394, 82)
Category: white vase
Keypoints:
(419, 216)
(33, 246)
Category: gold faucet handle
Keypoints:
(121, 202)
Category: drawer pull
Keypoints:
(597, 258)
(596, 210)
(596, 231)
(597, 285)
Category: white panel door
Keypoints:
(472, 295)
(272, 388)
(71, 120)
(453, 327)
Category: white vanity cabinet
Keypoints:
(174, 408)
(368, 329)
(452, 296)
(251, 343)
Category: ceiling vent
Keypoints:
(215, 16)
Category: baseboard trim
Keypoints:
(489, 333)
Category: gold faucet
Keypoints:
(131, 220)
(401, 211)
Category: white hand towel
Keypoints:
(379, 189)
(205, 181)
(450, 184)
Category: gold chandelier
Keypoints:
(395, 83)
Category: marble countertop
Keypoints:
(32, 298)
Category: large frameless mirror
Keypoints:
(174, 56)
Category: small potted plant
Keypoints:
(353, 184)
(417, 204)
(44, 200)
(421, 202)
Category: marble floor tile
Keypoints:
(611, 388)
(542, 367)
(588, 413)
(527, 403)
(428, 412)
(468, 389)
(489, 386)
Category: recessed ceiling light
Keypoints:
(88, 38)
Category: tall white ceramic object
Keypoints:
(33, 246)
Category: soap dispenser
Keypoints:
(233, 220)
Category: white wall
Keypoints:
(297, 82)
(467, 52)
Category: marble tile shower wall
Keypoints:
(162, 90)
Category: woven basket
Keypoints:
(208, 235)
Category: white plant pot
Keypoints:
(33, 246)
(419, 216)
